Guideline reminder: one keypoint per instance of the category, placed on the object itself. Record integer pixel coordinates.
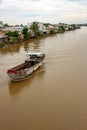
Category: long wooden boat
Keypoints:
(24, 70)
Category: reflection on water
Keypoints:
(11, 49)
(31, 46)
(16, 87)
(28, 45)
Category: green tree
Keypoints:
(61, 29)
(35, 28)
(12, 34)
(21, 25)
(26, 33)
(6, 25)
(74, 26)
(15, 34)
(46, 24)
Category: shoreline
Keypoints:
(10, 45)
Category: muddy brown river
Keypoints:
(55, 96)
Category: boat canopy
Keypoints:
(35, 54)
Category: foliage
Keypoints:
(35, 28)
(26, 33)
(13, 34)
(6, 25)
(61, 29)
(1, 45)
(13, 39)
(38, 33)
(46, 24)
(21, 25)
(17, 25)
(74, 26)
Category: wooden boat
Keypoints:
(24, 70)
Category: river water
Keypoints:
(55, 96)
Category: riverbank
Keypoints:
(14, 35)
(7, 46)
(13, 45)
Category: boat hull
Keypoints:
(24, 73)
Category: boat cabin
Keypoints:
(36, 56)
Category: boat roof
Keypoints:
(34, 53)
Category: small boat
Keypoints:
(24, 70)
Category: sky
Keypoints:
(23, 12)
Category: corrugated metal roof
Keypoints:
(1, 32)
(3, 36)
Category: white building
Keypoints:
(12, 29)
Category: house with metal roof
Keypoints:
(3, 38)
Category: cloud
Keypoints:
(0, 1)
(43, 10)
